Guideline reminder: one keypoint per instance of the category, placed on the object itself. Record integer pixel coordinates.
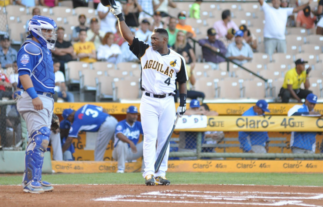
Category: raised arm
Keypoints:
(299, 8)
(261, 2)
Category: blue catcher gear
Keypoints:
(35, 26)
(34, 161)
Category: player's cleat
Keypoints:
(47, 187)
(149, 180)
(120, 171)
(160, 180)
(33, 187)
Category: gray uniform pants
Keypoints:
(302, 151)
(105, 134)
(55, 140)
(123, 153)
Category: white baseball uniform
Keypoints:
(158, 77)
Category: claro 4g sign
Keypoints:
(261, 123)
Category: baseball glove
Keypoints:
(55, 123)
(108, 3)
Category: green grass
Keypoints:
(179, 178)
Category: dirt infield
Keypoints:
(174, 195)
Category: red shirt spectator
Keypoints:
(305, 19)
(3, 78)
(49, 3)
(4, 83)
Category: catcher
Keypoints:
(55, 139)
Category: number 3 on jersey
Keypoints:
(89, 112)
(167, 81)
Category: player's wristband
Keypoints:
(120, 17)
(182, 99)
(32, 93)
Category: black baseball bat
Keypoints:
(163, 151)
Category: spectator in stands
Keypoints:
(292, 83)
(49, 3)
(248, 37)
(80, 3)
(162, 6)
(195, 9)
(172, 31)
(65, 126)
(35, 11)
(305, 18)
(183, 26)
(60, 87)
(229, 37)
(143, 34)
(63, 51)
(76, 30)
(157, 22)
(147, 7)
(255, 142)
(239, 51)
(189, 71)
(96, 3)
(212, 44)
(127, 54)
(304, 142)
(181, 45)
(4, 3)
(107, 19)
(131, 12)
(13, 78)
(7, 54)
(85, 50)
(94, 34)
(108, 51)
(27, 3)
(5, 86)
(118, 39)
(194, 108)
(222, 26)
(319, 13)
(275, 25)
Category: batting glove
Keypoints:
(182, 104)
(116, 10)
(181, 110)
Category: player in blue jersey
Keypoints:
(37, 79)
(304, 142)
(255, 142)
(126, 136)
(91, 118)
(65, 126)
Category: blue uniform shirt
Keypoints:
(131, 132)
(248, 139)
(88, 118)
(36, 60)
(302, 140)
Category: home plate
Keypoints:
(245, 198)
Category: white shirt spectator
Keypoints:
(146, 37)
(97, 41)
(147, 6)
(275, 21)
(13, 78)
(163, 7)
(59, 78)
(108, 23)
(106, 51)
(127, 55)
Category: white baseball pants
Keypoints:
(157, 118)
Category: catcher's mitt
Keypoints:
(108, 3)
(55, 123)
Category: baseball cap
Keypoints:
(82, 15)
(94, 19)
(307, 11)
(157, 13)
(239, 33)
(132, 110)
(5, 37)
(211, 31)
(67, 112)
(181, 15)
(311, 98)
(194, 104)
(263, 105)
(300, 61)
(145, 21)
(65, 124)
(232, 31)
(243, 27)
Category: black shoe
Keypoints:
(160, 180)
(149, 180)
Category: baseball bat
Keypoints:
(163, 150)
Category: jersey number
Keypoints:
(167, 81)
(89, 112)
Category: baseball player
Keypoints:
(126, 136)
(37, 79)
(55, 139)
(304, 142)
(91, 118)
(65, 126)
(161, 68)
